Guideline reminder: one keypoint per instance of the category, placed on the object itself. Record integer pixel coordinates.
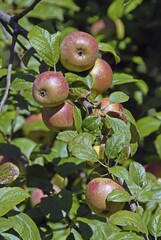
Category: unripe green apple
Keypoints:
(50, 89)
(78, 51)
(102, 76)
(60, 117)
(96, 196)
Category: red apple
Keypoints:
(102, 76)
(78, 51)
(96, 196)
(60, 117)
(103, 26)
(50, 89)
(154, 168)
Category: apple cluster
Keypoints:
(79, 52)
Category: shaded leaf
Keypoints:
(66, 135)
(114, 145)
(104, 47)
(77, 118)
(137, 173)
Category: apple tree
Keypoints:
(79, 120)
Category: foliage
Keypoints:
(62, 163)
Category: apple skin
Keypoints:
(154, 168)
(112, 109)
(102, 76)
(50, 89)
(60, 117)
(96, 194)
(37, 194)
(78, 51)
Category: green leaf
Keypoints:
(118, 97)
(5, 224)
(9, 172)
(8, 236)
(154, 225)
(119, 127)
(66, 135)
(119, 196)
(122, 78)
(19, 84)
(9, 197)
(77, 118)
(128, 219)
(148, 125)
(137, 173)
(114, 145)
(91, 123)
(45, 44)
(74, 160)
(84, 152)
(25, 226)
(104, 47)
(119, 171)
(125, 236)
(157, 144)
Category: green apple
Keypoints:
(50, 89)
(78, 51)
(60, 117)
(96, 196)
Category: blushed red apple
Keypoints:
(50, 89)
(96, 196)
(78, 51)
(60, 117)
(102, 76)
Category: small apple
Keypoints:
(154, 168)
(60, 117)
(78, 51)
(103, 26)
(37, 194)
(96, 196)
(102, 76)
(112, 109)
(50, 89)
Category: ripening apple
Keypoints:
(96, 196)
(102, 76)
(50, 89)
(78, 51)
(154, 168)
(112, 109)
(60, 117)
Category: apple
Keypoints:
(111, 109)
(102, 76)
(96, 194)
(60, 117)
(103, 26)
(37, 194)
(154, 168)
(78, 51)
(50, 89)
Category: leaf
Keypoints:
(118, 97)
(137, 173)
(5, 224)
(122, 78)
(91, 123)
(9, 172)
(148, 125)
(157, 144)
(154, 225)
(74, 160)
(119, 196)
(9, 197)
(114, 145)
(119, 171)
(77, 118)
(125, 236)
(104, 47)
(128, 219)
(84, 152)
(25, 226)
(8, 236)
(19, 84)
(45, 44)
(10, 151)
(66, 135)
